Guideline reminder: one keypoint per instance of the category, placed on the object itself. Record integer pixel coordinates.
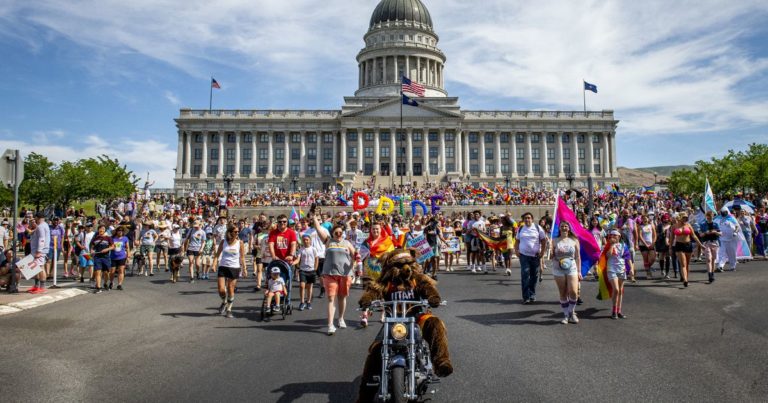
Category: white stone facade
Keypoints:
(437, 143)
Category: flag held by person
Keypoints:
(294, 215)
(498, 244)
(589, 250)
(709, 199)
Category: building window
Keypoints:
(535, 138)
(279, 169)
(198, 153)
(279, 138)
(535, 153)
(521, 169)
(417, 152)
(433, 169)
(536, 169)
(213, 169)
(246, 169)
(231, 138)
(597, 168)
(263, 154)
(450, 136)
(488, 153)
(504, 138)
(505, 168)
(384, 136)
(450, 152)
(248, 137)
(198, 138)
(351, 136)
(583, 168)
(474, 169)
(230, 169)
(566, 138)
(384, 151)
(312, 138)
(327, 170)
(433, 136)
(215, 138)
(504, 154)
(280, 154)
(368, 152)
(327, 153)
(230, 154)
(567, 168)
(327, 138)
(312, 153)
(214, 154)
(550, 153)
(247, 153)
(352, 152)
(417, 136)
(519, 138)
(595, 138)
(488, 138)
(596, 153)
(581, 153)
(197, 169)
(295, 137)
(295, 169)
(580, 139)
(450, 167)
(490, 169)
(433, 152)
(368, 136)
(295, 154)
(263, 138)
(473, 137)
(473, 153)
(550, 138)
(566, 153)
(262, 169)
(520, 153)
(311, 169)
(551, 168)
(368, 169)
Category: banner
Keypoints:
(422, 247)
(454, 245)
(28, 267)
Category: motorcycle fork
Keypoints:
(384, 382)
(412, 362)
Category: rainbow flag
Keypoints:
(301, 213)
(605, 288)
(589, 250)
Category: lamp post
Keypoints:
(293, 181)
(228, 178)
(655, 179)
(507, 180)
(569, 177)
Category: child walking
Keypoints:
(619, 257)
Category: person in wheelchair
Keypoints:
(275, 289)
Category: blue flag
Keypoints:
(409, 101)
(590, 87)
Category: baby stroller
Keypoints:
(286, 272)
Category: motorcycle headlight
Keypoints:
(399, 331)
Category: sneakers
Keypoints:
(342, 324)
(331, 330)
(301, 306)
(119, 288)
(229, 315)
(573, 318)
(222, 308)
(98, 291)
(309, 306)
(364, 322)
(621, 315)
(33, 289)
(564, 321)
(579, 301)
(526, 301)
(508, 272)
(110, 286)
(614, 316)
(322, 292)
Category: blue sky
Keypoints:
(687, 79)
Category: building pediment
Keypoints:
(391, 109)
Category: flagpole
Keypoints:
(584, 94)
(210, 97)
(400, 138)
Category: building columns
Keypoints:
(360, 160)
(513, 151)
(270, 155)
(528, 155)
(318, 154)
(575, 154)
(544, 157)
(457, 152)
(188, 154)
(376, 152)
(287, 156)
(343, 152)
(441, 152)
(204, 167)
(409, 155)
(465, 154)
(254, 155)
(236, 174)
(497, 152)
(180, 156)
(425, 152)
(393, 151)
(614, 170)
(590, 155)
(559, 150)
(303, 154)
(220, 174)
(482, 154)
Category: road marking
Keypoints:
(40, 301)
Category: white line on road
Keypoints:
(40, 301)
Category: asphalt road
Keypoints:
(158, 341)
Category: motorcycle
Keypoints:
(406, 368)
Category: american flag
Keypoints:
(412, 87)
(214, 83)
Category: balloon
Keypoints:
(344, 201)
(434, 199)
(386, 205)
(360, 201)
(418, 203)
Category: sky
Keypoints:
(688, 80)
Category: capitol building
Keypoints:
(438, 143)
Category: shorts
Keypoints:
(173, 251)
(685, 247)
(337, 285)
(621, 275)
(644, 248)
(255, 252)
(207, 260)
(229, 272)
(193, 253)
(281, 292)
(558, 272)
(162, 248)
(308, 277)
(85, 262)
(256, 260)
(102, 263)
(50, 254)
(118, 262)
(660, 248)
(146, 249)
(436, 250)
(5, 278)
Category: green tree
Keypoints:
(68, 183)
(35, 189)
(106, 179)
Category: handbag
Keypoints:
(567, 263)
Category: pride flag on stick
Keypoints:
(589, 250)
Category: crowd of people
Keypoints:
(152, 235)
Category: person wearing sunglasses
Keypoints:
(337, 271)
(283, 241)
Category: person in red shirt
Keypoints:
(283, 241)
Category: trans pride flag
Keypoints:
(589, 250)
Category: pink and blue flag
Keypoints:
(589, 250)
(294, 215)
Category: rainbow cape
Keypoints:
(605, 292)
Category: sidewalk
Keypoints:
(13, 303)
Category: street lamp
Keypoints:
(293, 181)
(228, 178)
(655, 179)
(507, 180)
(569, 177)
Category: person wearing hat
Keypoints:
(729, 239)
(148, 239)
(40, 244)
(618, 258)
(4, 234)
(161, 246)
(275, 289)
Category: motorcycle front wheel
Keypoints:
(398, 385)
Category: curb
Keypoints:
(15, 307)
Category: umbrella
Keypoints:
(744, 205)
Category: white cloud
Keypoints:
(172, 98)
(139, 156)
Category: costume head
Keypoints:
(399, 267)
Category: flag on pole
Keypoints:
(709, 199)
(409, 101)
(412, 87)
(215, 84)
(590, 87)
(589, 250)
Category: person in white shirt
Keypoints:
(530, 247)
(729, 239)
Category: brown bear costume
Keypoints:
(401, 275)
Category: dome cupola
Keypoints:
(401, 10)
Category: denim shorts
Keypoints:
(621, 275)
